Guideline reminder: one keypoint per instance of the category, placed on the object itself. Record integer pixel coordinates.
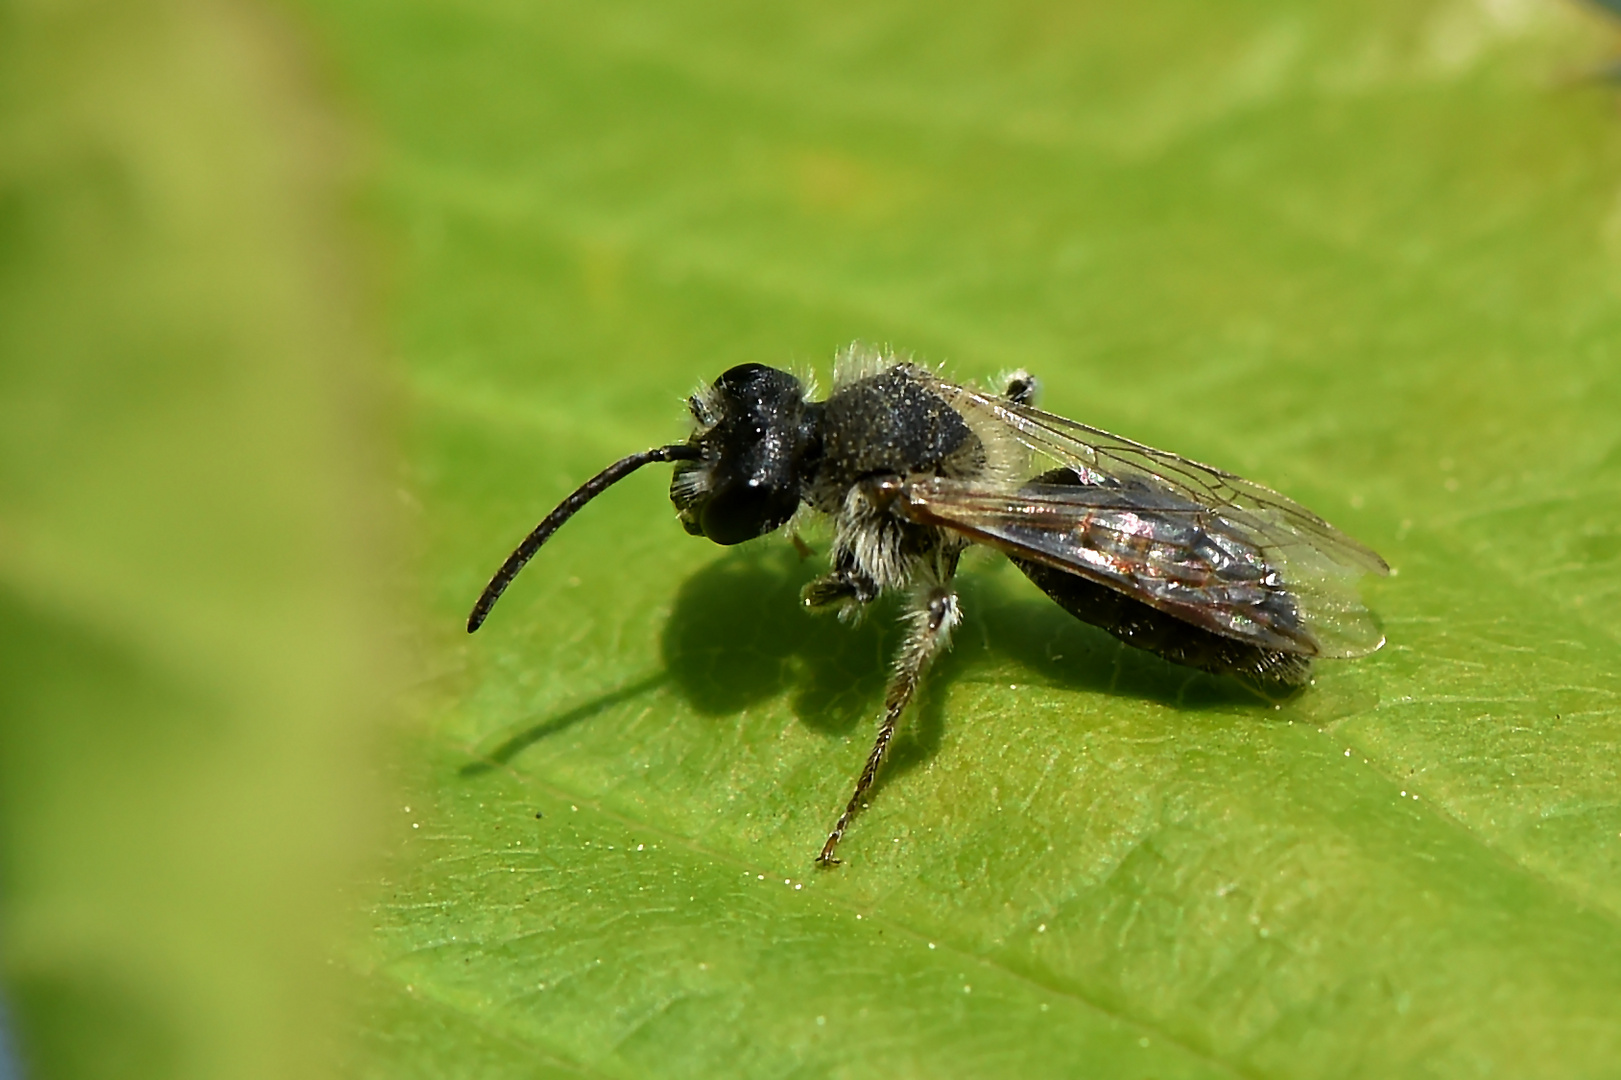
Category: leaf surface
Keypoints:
(1364, 254)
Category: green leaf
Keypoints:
(1365, 253)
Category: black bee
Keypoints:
(1195, 564)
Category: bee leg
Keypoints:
(839, 589)
(932, 621)
(846, 584)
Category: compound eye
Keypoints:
(741, 512)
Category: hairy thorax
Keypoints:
(889, 424)
(877, 431)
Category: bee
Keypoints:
(1197, 565)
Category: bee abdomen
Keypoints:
(1146, 627)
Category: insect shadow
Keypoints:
(738, 635)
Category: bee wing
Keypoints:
(1211, 548)
(1097, 457)
(1169, 554)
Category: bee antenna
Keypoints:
(566, 509)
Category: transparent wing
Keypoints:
(1176, 534)
(1098, 457)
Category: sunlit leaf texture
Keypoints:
(1365, 253)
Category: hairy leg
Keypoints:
(846, 584)
(932, 621)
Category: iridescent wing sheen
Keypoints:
(1209, 547)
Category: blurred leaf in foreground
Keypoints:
(186, 534)
(1363, 252)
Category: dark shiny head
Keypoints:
(757, 438)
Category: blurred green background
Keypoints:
(309, 311)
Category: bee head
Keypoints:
(755, 435)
